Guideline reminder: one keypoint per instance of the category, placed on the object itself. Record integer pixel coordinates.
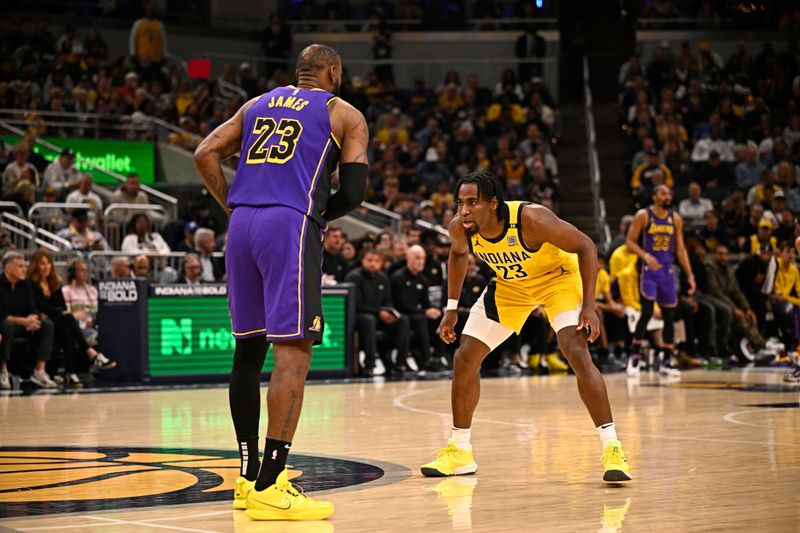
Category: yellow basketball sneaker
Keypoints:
(554, 363)
(240, 491)
(614, 463)
(284, 501)
(450, 461)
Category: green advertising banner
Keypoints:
(122, 157)
(192, 336)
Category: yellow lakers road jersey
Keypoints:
(513, 262)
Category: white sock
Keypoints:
(461, 438)
(607, 432)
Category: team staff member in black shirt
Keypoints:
(20, 318)
(374, 311)
(333, 262)
(410, 294)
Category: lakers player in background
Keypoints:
(291, 141)
(538, 259)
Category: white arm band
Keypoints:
(452, 305)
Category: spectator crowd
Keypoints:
(724, 134)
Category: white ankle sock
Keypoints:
(461, 438)
(607, 432)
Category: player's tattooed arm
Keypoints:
(222, 143)
(356, 138)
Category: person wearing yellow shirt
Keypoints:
(763, 236)
(611, 315)
(642, 176)
(148, 39)
(621, 258)
(785, 297)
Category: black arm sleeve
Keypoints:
(352, 187)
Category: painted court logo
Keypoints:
(48, 480)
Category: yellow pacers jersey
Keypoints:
(526, 278)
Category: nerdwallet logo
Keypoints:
(114, 291)
(176, 336)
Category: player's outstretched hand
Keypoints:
(447, 331)
(588, 321)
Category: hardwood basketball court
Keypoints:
(714, 451)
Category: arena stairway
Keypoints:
(573, 170)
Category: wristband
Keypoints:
(452, 305)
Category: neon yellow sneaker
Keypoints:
(240, 491)
(283, 501)
(450, 461)
(534, 360)
(554, 363)
(614, 463)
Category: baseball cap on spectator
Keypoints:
(765, 223)
(244, 65)
(69, 152)
(431, 156)
(765, 247)
(80, 214)
(425, 204)
(191, 227)
(131, 75)
(779, 194)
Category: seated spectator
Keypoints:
(82, 298)
(61, 174)
(785, 296)
(753, 280)
(24, 193)
(192, 270)
(14, 170)
(610, 312)
(712, 143)
(187, 244)
(714, 173)
(711, 234)
(787, 223)
(213, 267)
(21, 319)
(334, 265)
(121, 267)
(50, 302)
(410, 294)
(749, 171)
(694, 208)
(763, 236)
(141, 267)
(131, 193)
(761, 192)
(141, 239)
(375, 311)
(723, 286)
(642, 179)
(81, 236)
(621, 258)
(84, 195)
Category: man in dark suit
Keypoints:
(191, 270)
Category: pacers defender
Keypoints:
(291, 140)
(538, 259)
(656, 236)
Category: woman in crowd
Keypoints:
(141, 239)
(81, 299)
(50, 301)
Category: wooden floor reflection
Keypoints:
(715, 451)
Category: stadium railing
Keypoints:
(602, 229)
(26, 236)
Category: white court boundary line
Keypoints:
(399, 402)
(143, 523)
(731, 417)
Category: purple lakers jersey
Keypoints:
(659, 237)
(288, 152)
